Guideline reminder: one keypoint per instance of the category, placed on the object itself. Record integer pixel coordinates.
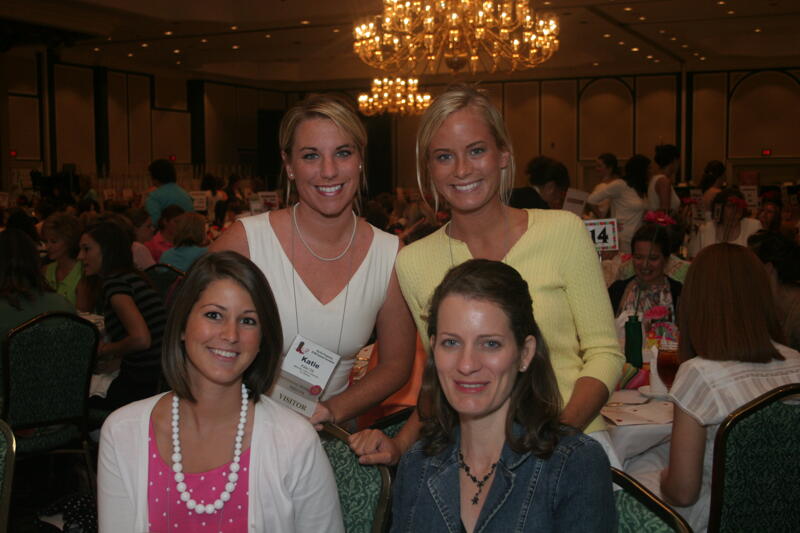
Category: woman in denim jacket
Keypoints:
(493, 455)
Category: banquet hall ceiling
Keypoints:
(311, 41)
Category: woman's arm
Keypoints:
(374, 447)
(397, 341)
(138, 334)
(234, 238)
(681, 480)
(588, 397)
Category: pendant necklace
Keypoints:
(312, 252)
(477, 482)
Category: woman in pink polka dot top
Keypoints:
(215, 454)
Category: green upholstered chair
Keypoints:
(7, 452)
(364, 491)
(393, 423)
(165, 279)
(641, 511)
(46, 369)
(755, 481)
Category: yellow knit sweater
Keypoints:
(570, 303)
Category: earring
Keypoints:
(523, 368)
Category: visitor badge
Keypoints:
(305, 371)
(603, 232)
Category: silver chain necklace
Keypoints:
(312, 252)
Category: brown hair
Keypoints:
(535, 399)
(20, 272)
(190, 230)
(211, 267)
(66, 227)
(726, 308)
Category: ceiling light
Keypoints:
(235, 46)
(757, 30)
(305, 22)
(621, 43)
(178, 62)
(234, 28)
(547, 3)
(176, 51)
(130, 54)
(394, 95)
(684, 45)
(656, 60)
(96, 49)
(662, 31)
(731, 12)
(721, 3)
(673, 38)
(606, 35)
(642, 17)
(267, 36)
(649, 56)
(455, 34)
(634, 49)
(596, 64)
(204, 40)
(335, 30)
(145, 45)
(702, 58)
(696, 54)
(627, 8)
(167, 32)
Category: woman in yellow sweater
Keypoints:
(464, 156)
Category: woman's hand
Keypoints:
(321, 415)
(374, 447)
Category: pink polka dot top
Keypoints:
(168, 514)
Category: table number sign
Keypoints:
(305, 372)
(603, 232)
(199, 200)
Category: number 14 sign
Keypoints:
(603, 232)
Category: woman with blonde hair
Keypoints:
(332, 273)
(61, 233)
(189, 241)
(465, 157)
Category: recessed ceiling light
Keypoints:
(621, 43)
(684, 45)
(335, 30)
(634, 49)
(662, 31)
(731, 12)
(606, 35)
(304, 22)
(642, 17)
(673, 38)
(178, 62)
(108, 38)
(267, 36)
(234, 28)
(176, 51)
(167, 32)
(547, 3)
(145, 45)
(757, 30)
(721, 2)
(203, 40)
(696, 54)
(627, 8)
(656, 60)
(649, 56)
(702, 58)
(235, 46)
(96, 49)
(130, 54)
(596, 64)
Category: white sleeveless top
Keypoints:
(321, 323)
(653, 201)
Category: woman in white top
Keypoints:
(332, 273)
(627, 197)
(608, 168)
(711, 184)
(730, 226)
(660, 193)
(729, 345)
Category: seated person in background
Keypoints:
(781, 258)
(493, 453)
(61, 233)
(661, 195)
(162, 241)
(711, 184)
(730, 224)
(143, 230)
(24, 292)
(134, 316)
(607, 167)
(189, 241)
(771, 211)
(549, 181)
(730, 353)
(167, 192)
(222, 351)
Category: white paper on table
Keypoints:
(626, 397)
(648, 413)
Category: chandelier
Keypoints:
(417, 35)
(394, 95)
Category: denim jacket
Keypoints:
(570, 491)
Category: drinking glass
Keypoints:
(667, 362)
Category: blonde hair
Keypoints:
(454, 99)
(328, 106)
(190, 230)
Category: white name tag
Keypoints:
(305, 372)
(603, 232)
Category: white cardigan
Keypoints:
(291, 484)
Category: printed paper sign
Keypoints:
(575, 201)
(750, 193)
(603, 232)
(199, 200)
(305, 371)
(269, 199)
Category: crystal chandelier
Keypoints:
(415, 36)
(394, 95)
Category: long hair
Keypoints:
(212, 267)
(713, 171)
(610, 161)
(454, 99)
(20, 269)
(535, 400)
(726, 308)
(115, 246)
(637, 173)
(66, 227)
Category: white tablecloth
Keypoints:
(631, 440)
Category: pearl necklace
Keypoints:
(312, 252)
(177, 465)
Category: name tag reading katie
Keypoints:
(305, 372)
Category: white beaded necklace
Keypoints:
(177, 465)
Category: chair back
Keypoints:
(364, 490)
(638, 509)
(7, 452)
(755, 481)
(46, 368)
(164, 279)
